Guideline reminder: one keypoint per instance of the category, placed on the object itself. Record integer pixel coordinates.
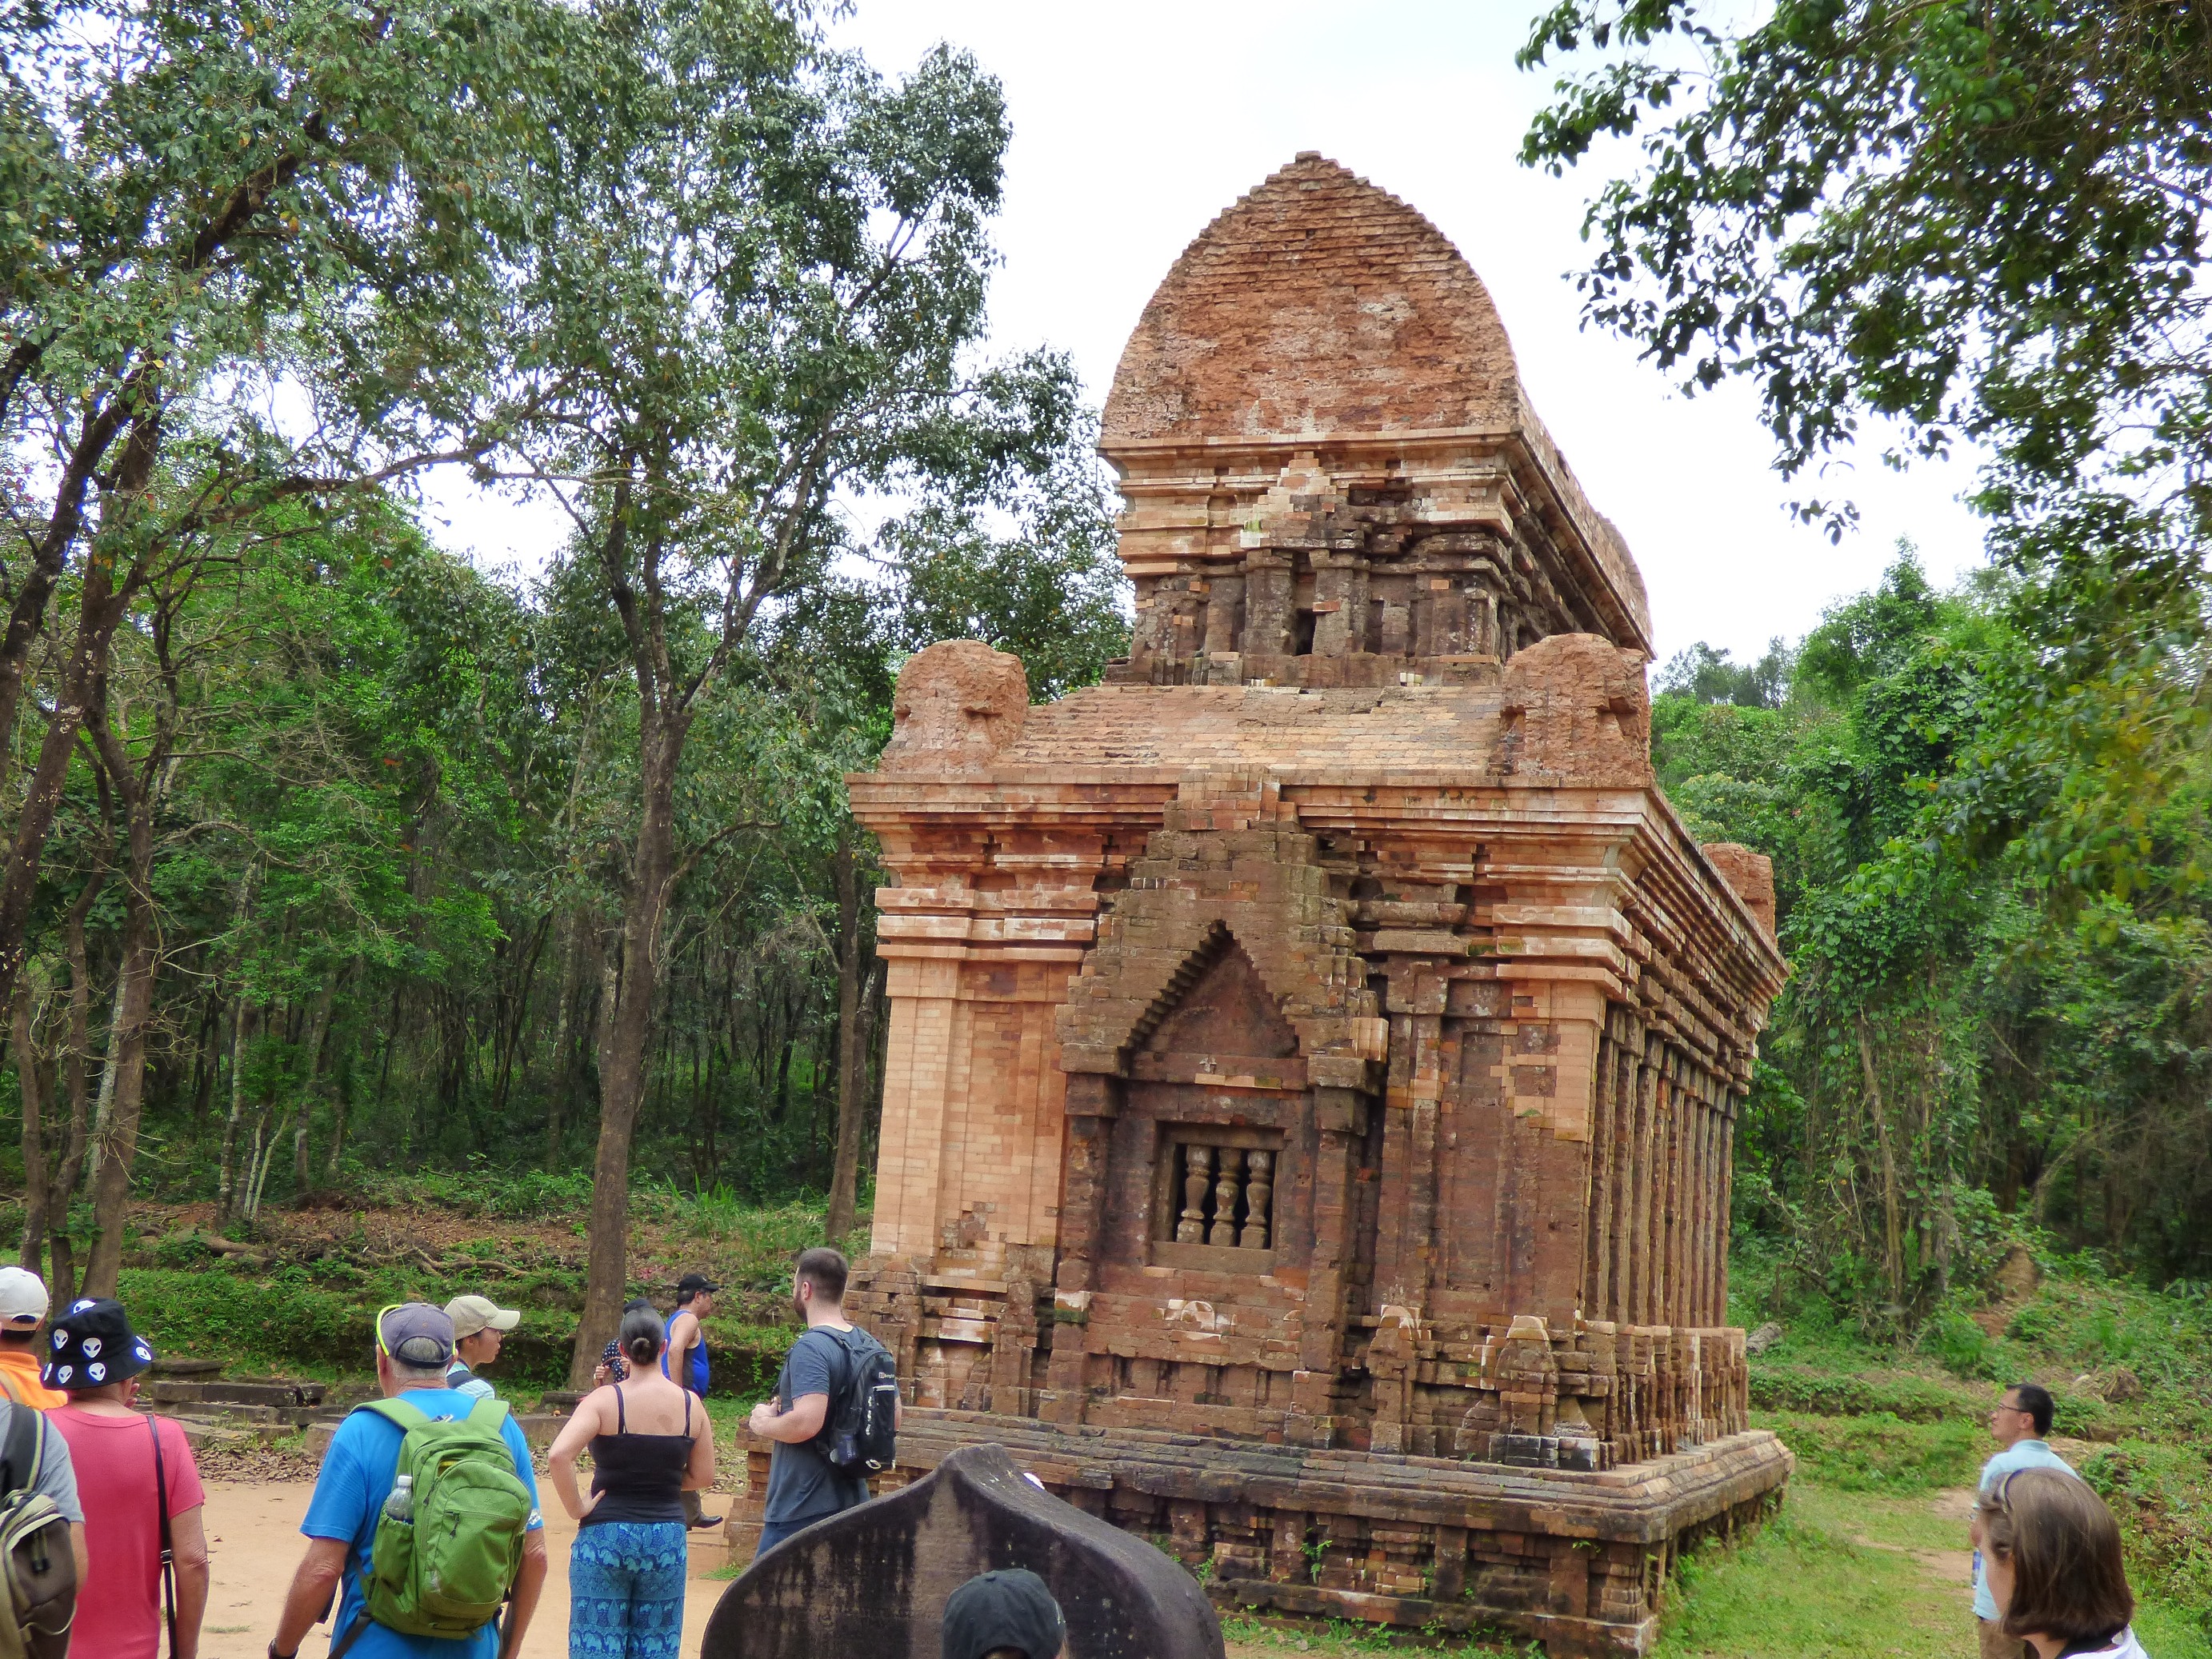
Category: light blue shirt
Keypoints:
(461, 1380)
(2021, 1455)
(357, 1475)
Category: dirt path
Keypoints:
(1946, 1566)
(254, 1545)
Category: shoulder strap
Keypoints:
(687, 1413)
(168, 1545)
(487, 1413)
(343, 1645)
(24, 1452)
(621, 1414)
(396, 1411)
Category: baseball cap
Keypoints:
(23, 1299)
(93, 1345)
(690, 1284)
(1009, 1608)
(415, 1333)
(472, 1313)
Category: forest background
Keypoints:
(339, 867)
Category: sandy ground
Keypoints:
(254, 1544)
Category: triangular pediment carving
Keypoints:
(1225, 1009)
(1226, 938)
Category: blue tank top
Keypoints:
(694, 1361)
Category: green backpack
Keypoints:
(446, 1569)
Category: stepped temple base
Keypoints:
(1573, 1559)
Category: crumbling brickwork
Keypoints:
(1315, 1053)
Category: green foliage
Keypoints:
(1706, 676)
(1052, 593)
(2162, 1496)
(479, 1189)
(1966, 217)
(1825, 1394)
(1881, 1452)
(1966, 1042)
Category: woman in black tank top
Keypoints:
(650, 1442)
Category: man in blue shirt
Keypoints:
(2018, 1421)
(414, 1345)
(684, 1361)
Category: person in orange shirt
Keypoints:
(22, 1315)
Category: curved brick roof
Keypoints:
(1317, 304)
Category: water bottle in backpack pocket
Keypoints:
(862, 1428)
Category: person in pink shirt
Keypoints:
(133, 1473)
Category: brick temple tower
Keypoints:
(1314, 1054)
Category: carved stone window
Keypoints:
(1213, 1203)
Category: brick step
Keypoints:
(272, 1391)
(276, 1419)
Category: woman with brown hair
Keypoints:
(2051, 1553)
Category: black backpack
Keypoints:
(862, 1435)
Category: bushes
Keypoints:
(285, 1320)
(478, 1189)
(1825, 1394)
(282, 1321)
(2162, 1498)
(1881, 1452)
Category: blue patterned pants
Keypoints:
(626, 1591)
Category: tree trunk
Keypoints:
(207, 1059)
(561, 1073)
(100, 606)
(103, 1102)
(229, 1190)
(845, 1172)
(340, 1098)
(33, 1255)
(118, 1137)
(122, 1086)
(319, 1026)
(1892, 1229)
(62, 1193)
(627, 1036)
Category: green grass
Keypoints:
(1843, 1574)
(1871, 1418)
(1334, 1636)
(1812, 1582)
(1880, 1453)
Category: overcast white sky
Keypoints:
(1134, 124)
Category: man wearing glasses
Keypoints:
(2017, 1422)
(414, 1345)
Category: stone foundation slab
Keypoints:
(1575, 1559)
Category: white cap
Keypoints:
(472, 1313)
(23, 1299)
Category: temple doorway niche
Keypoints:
(1218, 1085)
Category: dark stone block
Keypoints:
(1525, 1451)
(872, 1581)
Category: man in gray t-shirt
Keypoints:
(56, 1479)
(803, 1486)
